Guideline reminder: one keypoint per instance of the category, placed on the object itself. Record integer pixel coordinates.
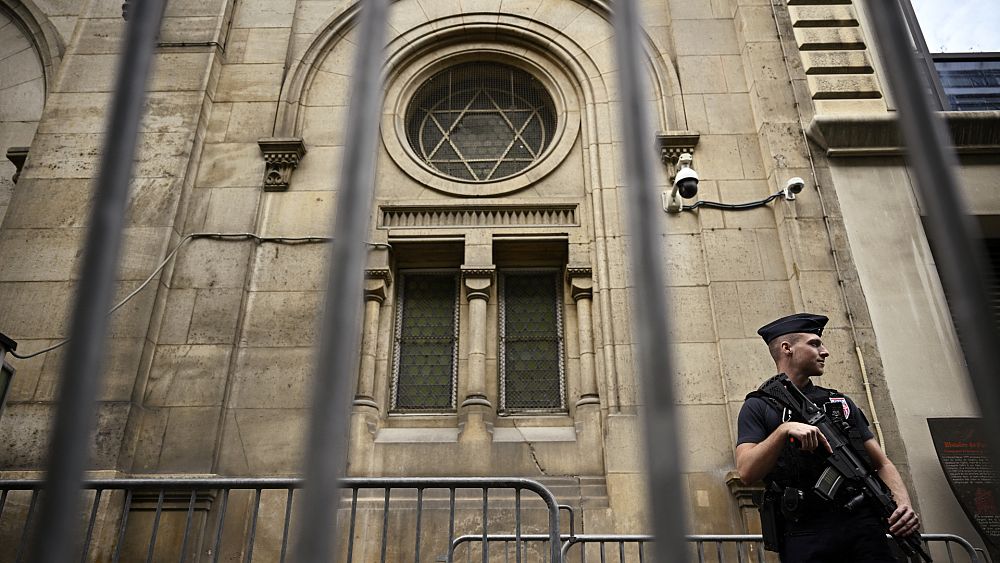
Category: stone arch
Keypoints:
(39, 31)
(665, 83)
(27, 62)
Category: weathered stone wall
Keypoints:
(209, 368)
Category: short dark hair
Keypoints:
(774, 346)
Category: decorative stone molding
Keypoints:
(377, 282)
(741, 491)
(17, 155)
(282, 155)
(744, 495)
(672, 144)
(835, 57)
(477, 280)
(581, 282)
(418, 216)
(972, 132)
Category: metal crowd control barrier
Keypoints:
(704, 548)
(233, 519)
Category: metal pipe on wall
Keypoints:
(650, 293)
(80, 377)
(954, 238)
(337, 355)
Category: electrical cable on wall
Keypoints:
(170, 256)
(733, 206)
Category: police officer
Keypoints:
(789, 456)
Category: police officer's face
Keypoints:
(809, 355)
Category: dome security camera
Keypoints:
(686, 183)
(685, 186)
(793, 186)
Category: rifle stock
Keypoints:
(843, 460)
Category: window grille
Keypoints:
(531, 342)
(481, 121)
(426, 342)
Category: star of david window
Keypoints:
(480, 122)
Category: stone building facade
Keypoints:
(498, 174)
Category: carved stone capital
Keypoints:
(741, 491)
(672, 145)
(581, 282)
(281, 155)
(377, 282)
(477, 280)
(17, 155)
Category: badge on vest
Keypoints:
(843, 403)
(786, 415)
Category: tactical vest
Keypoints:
(799, 469)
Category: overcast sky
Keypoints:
(959, 26)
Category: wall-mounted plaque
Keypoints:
(961, 445)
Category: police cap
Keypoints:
(799, 322)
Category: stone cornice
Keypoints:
(672, 144)
(281, 155)
(878, 134)
(17, 156)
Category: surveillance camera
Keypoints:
(793, 186)
(686, 183)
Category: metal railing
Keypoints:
(232, 519)
(703, 548)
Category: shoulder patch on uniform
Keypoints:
(844, 404)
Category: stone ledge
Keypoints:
(878, 134)
(419, 216)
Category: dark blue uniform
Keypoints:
(821, 531)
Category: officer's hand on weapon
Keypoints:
(807, 437)
(904, 521)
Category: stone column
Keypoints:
(377, 282)
(476, 408)
(477, 291)
(582, 291)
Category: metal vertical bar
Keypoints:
(27, 527)
(621, 551)
(486, 524)
(253, 526)
(3, 501)
(123, 524)
(288, 521)
(221, 521)
(336, 371)
(354, 516)
(955, 240)
(517, 525)
(650, 295)
(385, 524)
(603, 558)
(156, 528)
(451, 522)
(187, 525)
(420, 513)
(80, 377)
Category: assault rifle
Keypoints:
(844, 464)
